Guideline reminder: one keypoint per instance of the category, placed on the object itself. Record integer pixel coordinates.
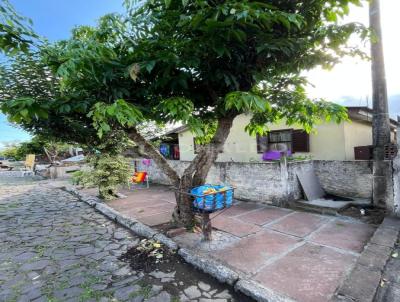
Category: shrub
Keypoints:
(109, 172)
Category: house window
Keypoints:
(278, 138)
(294, 140)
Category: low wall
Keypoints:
(271, 183)
(345, 178)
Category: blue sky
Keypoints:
(54, 19)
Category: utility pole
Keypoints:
(380, 119)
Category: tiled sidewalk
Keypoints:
(152, 206)
(298, 255)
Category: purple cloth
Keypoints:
(274, 155)
(146, 162)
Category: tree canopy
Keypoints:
(196, 62)
(193, 61)
(16, 33)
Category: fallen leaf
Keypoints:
(395, 255)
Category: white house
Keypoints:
(330, 141)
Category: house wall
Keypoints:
(239, 146)
(275, 183)
(356, 134)
(327, 142)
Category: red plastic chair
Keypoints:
(140, 178)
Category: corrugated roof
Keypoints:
(364, 113)
(177, 130)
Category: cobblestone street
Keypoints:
(56, 248)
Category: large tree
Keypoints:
(201, 63)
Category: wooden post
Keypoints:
(206, 227)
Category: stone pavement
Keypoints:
(297, 255)
(56, 248)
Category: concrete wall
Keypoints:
(274, 183)
(345, 178)
(330, 141)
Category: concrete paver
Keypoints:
(234, 226)
(264, 215)
(342, 234)
(239, 209)
(310, 273)
(298, 224)
(152, 206)
(252, 252)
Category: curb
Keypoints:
(210, 266)
(258, 292)
(363, 281)
(219, 271)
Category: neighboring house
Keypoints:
(330, 141)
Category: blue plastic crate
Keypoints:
(212, 202)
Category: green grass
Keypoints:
(40, 249)
(89, 292)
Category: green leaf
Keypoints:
(24, 112)
(150, 65)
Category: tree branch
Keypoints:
(153, 153)
(207, 155)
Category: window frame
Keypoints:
(269, 139)
(292, 133)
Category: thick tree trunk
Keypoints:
(380, 120)
(196, 173)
